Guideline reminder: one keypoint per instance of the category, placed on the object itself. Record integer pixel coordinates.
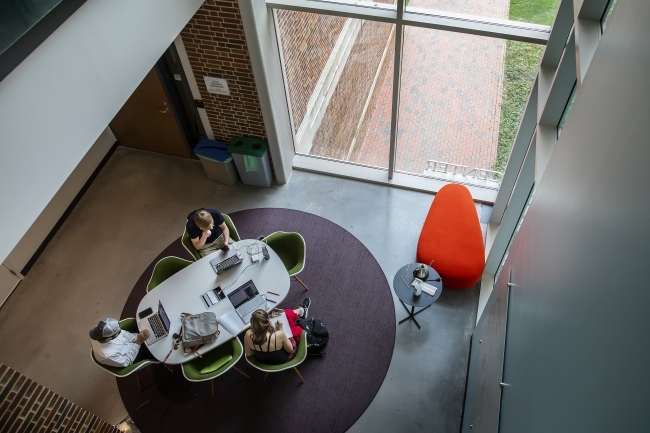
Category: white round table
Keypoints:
(181, 293)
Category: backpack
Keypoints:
(317, 334)
(199, 329)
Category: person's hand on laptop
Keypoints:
(142, 336)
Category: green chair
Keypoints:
(164, 269)
(189, 246)
(128, 325)
(292, 251)
(219, 360)
(301, 354)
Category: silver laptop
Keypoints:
(157, 324)
(246, 299)
(226, 260)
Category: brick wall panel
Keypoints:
(26, 406)
(216, 46)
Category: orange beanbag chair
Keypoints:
(451, 237)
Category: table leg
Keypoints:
(405, 307)
(412, 314)
(421, 309)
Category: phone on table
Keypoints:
(219, 293)
(144, 313)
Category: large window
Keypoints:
(465, 73)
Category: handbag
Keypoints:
(198, 329)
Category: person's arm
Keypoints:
(248, 343)
(282, 337)
(129, 349)
(200, 241)
(226, 233)
(286, 344)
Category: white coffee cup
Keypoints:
(417, 284)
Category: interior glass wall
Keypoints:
(17, 17)
(336, 70)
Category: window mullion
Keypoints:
(397, 76)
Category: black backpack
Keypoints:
(317, 335)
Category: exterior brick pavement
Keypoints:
(450, 99)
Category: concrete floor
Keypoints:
(137, 206)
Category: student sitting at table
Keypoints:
(208, 231)
(117, 348)
(273, 346)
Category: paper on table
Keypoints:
(212, 297)
(425, 287)
(232, 322)
(285, 323)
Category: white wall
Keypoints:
(36, 234)
(57, 102)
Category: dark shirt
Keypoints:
(271, 357)
(195, 232)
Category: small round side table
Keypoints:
(404, 290)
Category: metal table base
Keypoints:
(412, 314)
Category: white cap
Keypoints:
(105, 328)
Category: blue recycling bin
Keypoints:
(217, 161)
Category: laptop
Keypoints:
(226, 260)
(246, 299)
(157, 324)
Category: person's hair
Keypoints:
(203, 219)
(260, 325)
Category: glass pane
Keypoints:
(608, 13)
(566, 111)
(520, 67)
(530, 11)
(533, 11)
(486, 8)
(335, 70)
(461, 101)
(17, 17)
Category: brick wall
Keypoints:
(216, 46)
(26, 406)
(307, 42)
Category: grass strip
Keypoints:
(520, 67)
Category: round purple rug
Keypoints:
(349, 293)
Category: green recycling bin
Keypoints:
(252, 160)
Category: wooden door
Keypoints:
(146, 121)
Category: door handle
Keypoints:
(164, 109)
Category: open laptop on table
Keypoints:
(246, 299)
(157, 324)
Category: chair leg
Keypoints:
(266, 375)
(298, 373)
(137, 379)
(300, 281)
(241, 372)
(212, 383)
